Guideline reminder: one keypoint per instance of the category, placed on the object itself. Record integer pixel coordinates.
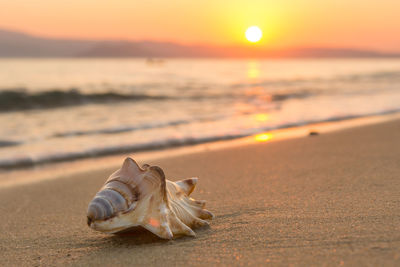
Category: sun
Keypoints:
(253, 34)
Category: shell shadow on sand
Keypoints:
(134, 237)
(139, 236)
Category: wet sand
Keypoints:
(330, 199)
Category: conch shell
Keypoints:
(134, 196)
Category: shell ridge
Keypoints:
(115, 198)
(200, 211)
(155, 220)
(179, 228)
(129, 196)
(118, 192)
(188, 217)
(187, 185)
(109, 202)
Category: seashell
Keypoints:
(134, 196)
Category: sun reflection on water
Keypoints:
(263, 137)
(253, 69)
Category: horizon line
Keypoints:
(248, 46)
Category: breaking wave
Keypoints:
(21, 99)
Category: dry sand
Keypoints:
(331, 199)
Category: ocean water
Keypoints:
(63, 109)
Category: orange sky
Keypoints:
(371, 24)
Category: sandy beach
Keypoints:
(331, 199)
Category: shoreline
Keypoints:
(330, 199)
(56, 170)
(33, 161)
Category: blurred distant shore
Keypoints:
(21, 45)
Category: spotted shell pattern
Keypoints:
(134, 196)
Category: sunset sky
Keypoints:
(370, 24)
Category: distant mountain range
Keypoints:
(16, 44)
